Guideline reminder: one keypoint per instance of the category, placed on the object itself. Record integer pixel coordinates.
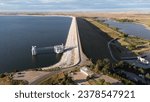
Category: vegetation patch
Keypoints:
(130, 42)
(58, 79)
(117, 71)
(98, 82)
(124, 20)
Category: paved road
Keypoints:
(110, 50)
(94, 41)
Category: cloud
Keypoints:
(54, 1)
(1, 4)
(72, 4)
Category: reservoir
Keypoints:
(130, 28)
(19, 33)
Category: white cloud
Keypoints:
(1, 4)
(54, 1)
(71, 4)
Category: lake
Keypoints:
(130, 28)
(19, 33)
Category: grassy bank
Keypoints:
(134, 44)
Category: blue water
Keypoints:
(19, 33)
(130, 28)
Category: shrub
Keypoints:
(125, 35)
(107, 83)
(101, 81)
(19, 82)
(147, 75)
(2, 75)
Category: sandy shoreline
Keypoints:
(146, 26)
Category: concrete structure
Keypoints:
(80, 79)
(86, 71)
(143, 60)
(74, 56)
(57, 49)
(33, 50)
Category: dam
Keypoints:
(75, 55)
(19, 33)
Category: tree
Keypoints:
(88, 78)
(107, 66)
(147, 75)
(2, 75)
(99, 64)
(125, 35)
(103, 65)
(101, 81)
(107, 83)
(141, 70)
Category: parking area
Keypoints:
(29, 76)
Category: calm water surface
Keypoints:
(130, 28)
(19, 33)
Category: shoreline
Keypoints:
(75, 56)
(146, 26)
(77, 53)
(69, 60)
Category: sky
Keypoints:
(74, 5)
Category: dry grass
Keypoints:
(126, 42)
(104, 28)
(93, 82)
(5, 81)
(143, 18)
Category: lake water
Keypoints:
(130, 28)
(19, 33)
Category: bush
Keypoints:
(2, 75)
(107, 83)
(132, 47)
(88, 78)
(125, 20)
(103, 65)
(125, 35)
(19, 82)
(141, 70)
(101, 81)
(147, 76)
